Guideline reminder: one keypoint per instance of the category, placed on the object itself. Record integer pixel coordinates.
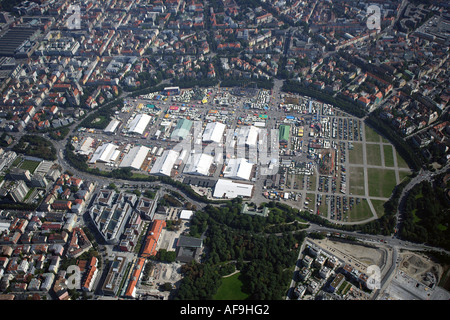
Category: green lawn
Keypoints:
(388, 156)
(231, 289)
(401, 163)
(313, 182)
(29, 165)
(403, 174)
(381, 182)
(16, 161)
(299, 178)
(355, 156)
(323, 208)
(356, 181)
(312, 201)
(373, 154)
(371, 135)
(359, 211)
(378, 205)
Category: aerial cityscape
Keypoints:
(224, 150)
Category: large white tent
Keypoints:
(247, 136)
(164, 164)
(104, 153)
(139, 123)
(238, 169)
(112, 126)
(135, 157)
(199, 164)
(213, 132)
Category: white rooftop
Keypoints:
(112, 126)
(139, 123)
(135, 157)
(198, 163)
(238, 169)
(186, 214)
(230, 189)
(164, 164)
(247, 135)
(104, 153)
(213, 132)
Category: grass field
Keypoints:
(355, 156)
(388, 156)
(298, 179)
(359, 212)
(29, 165)
(378, 205)
(373, 154)
(381, 182)
(323, 208)
(403, 174)
(401, 163)
(371, 135)
(313, 182)
(16, 161)
(290, 180)
(312, 200)
(356, 181)
(231, 289)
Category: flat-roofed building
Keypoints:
(247, 136)
(239, 169)
(135, 158)
(164, 164)
(105, 153)
(114, 276)
(307, 261)
(337, 282)
(112, 126)
(229, 189)
(139, 123)
(213, 132)
(198, 164)
(147, 207)
(188, 248)
(181, 130)
(19, 191)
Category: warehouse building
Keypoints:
(164, 164)
(238, 169)
(135, 158)
(198, 164)
(85, 147)
(139, 123)
(247, 136)
(105, 153)
(229, 189)
(181, 130)
(213, 132)
(112, 126)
